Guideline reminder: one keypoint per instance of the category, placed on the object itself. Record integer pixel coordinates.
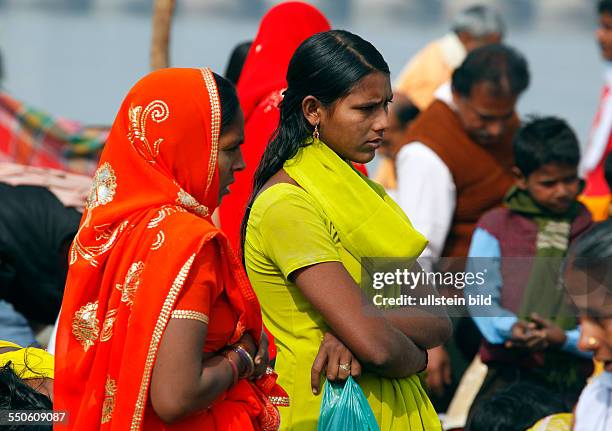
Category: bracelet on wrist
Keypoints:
(233, 366)
(247, 359)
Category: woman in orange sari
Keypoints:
(159, 324)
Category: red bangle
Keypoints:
(234, 369)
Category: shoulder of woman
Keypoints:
(281, 195)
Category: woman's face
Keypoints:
(596, 337)
(230, 153)
(353, 126)
(592, 298)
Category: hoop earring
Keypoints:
(315, 132)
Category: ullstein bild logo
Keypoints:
(432, 300)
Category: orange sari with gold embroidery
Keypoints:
(147, 218)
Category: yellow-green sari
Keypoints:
(335, 215)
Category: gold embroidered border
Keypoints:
(215, 121)
(190, 315)
(279, 401)
(162, 321)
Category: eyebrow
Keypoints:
(236, 144)
(375, 102)
(560, 178)
(595, 313)
(487, 116)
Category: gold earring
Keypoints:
(592, 341)
(315, 132)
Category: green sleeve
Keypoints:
(295, 234)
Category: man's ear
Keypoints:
(311, 108)
(519, 178)
(456, 96)
(468, 41)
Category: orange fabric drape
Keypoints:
(260, 88)
(596, 195)
(146, 218)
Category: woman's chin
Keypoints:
(364, 157)
(222, 193)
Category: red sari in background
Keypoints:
(146, 238)
(260, 88)
(596, 195)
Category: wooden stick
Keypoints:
(160, 43)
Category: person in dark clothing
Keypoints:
(36, 230)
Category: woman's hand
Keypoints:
(259, 353)
(247, 342)
(336, 360)
(438, 370)
(262, 358)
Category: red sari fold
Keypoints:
(260, 88)
(146, 219)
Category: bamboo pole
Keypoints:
(160, 41)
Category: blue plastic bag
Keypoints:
(344, 407)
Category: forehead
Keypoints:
(374, 86)
(556, 170)
(233, 132)
(605, 18)
(488, 98)
(590, 296)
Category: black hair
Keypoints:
(236, 61)
(405, 113)
(604, 6)
(516, 407)
(608, 170)
(544, 140)
(327, 66)
(16, 395)
(228, 99)
(595, 243)
(500, 65)
(591, 254)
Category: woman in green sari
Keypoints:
(311, 220)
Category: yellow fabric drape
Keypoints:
(368, 221)
(29, 362)
(556, 422)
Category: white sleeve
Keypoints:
(426, 192)
(51, 345)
